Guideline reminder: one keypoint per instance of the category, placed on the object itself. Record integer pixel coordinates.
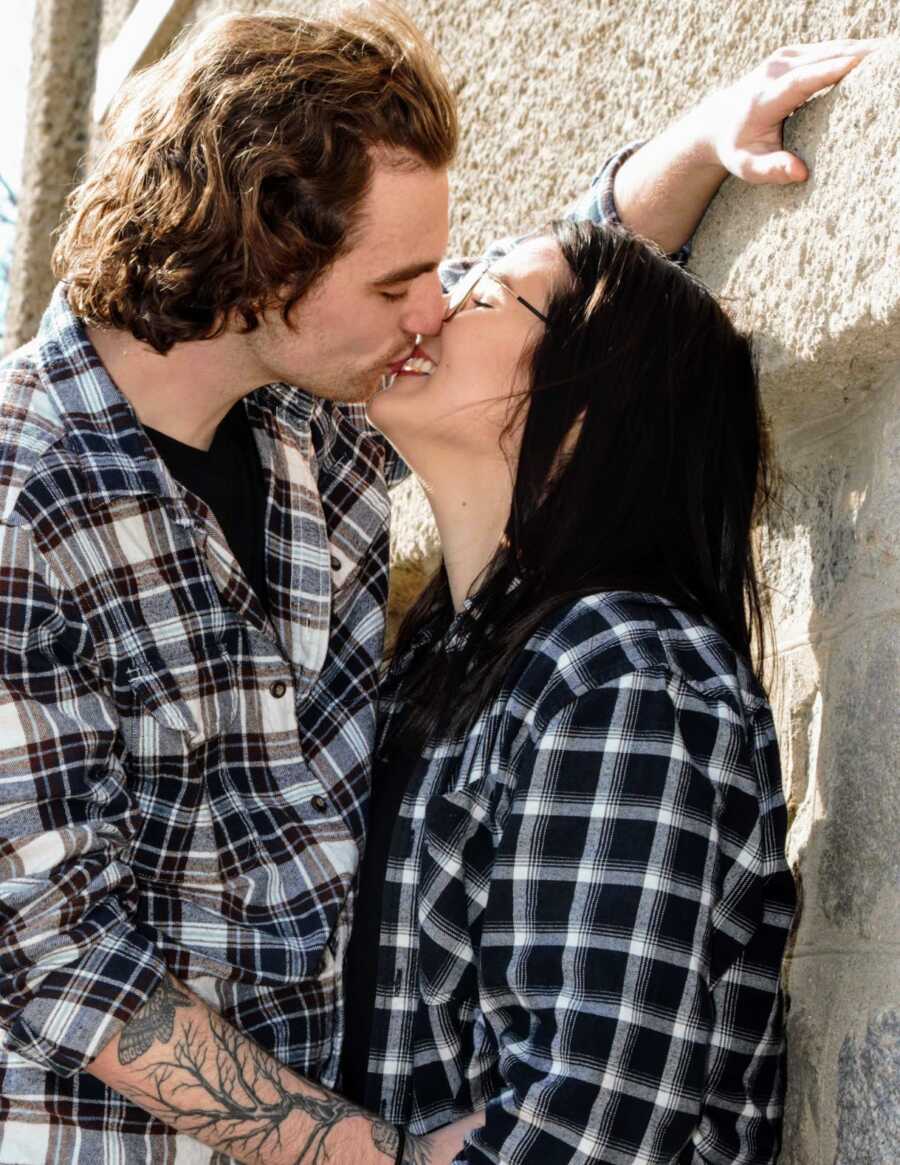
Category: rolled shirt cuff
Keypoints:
(80, 1006)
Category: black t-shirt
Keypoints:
(229, 478)
(391, 773)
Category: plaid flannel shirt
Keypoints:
(183, 777)
(587, 902)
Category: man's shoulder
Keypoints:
(30, 424)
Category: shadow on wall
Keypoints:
(833, 548)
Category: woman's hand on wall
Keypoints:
(744, 121)
(662, 191)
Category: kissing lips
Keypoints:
(417, 363)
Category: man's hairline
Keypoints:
(399, 160)
(392, 158)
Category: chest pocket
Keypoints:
(456, 866)
(173, 702)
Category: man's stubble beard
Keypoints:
(356, 390)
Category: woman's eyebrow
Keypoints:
(504, 281)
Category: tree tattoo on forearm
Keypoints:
(154, 1021)
(245, 1096)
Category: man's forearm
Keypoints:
(663, 189)
(179, 1060)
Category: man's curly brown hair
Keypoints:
(237, 166)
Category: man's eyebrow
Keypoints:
(404, 274)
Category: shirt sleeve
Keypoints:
(595, 949)
(73, 966)
(598, 203)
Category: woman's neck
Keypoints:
(471, 513)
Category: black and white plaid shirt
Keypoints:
(587, 903)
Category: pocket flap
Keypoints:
(197, 699)
(161, 697)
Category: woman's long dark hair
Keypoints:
(643, 466)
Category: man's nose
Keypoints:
(425, 314)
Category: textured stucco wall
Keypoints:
(64, 49)
(545, 91)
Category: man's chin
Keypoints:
(359, 390)
(371, 388)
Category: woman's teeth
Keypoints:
(419, 364)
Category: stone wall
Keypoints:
(64, 55)
(546, 90)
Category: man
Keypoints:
(193, 572)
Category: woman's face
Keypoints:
(455, 401)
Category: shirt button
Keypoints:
(335, 563)
(278, 689)
(318, 803)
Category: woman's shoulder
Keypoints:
(597, 639)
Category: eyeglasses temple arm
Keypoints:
(534, 311)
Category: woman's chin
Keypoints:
(393, 406)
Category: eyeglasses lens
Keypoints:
(462, 289)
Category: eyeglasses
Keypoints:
(463, 288)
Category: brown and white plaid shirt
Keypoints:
(184, 776)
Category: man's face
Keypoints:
(365, 312)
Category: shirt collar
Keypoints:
(471, 620)
(436, 634)
(100, 424)
(295, 405)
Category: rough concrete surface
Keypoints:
(546, 91)
(839, 1030)
(869, 1095)
(831, 320)
(537, 123)
(115, 13)
(798, 705)
(415, 553)
(832, 549)
(859, 856)
(64, 47)
(834, 565)
(148, 29)
(803, 1118)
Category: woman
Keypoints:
(574, 902)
